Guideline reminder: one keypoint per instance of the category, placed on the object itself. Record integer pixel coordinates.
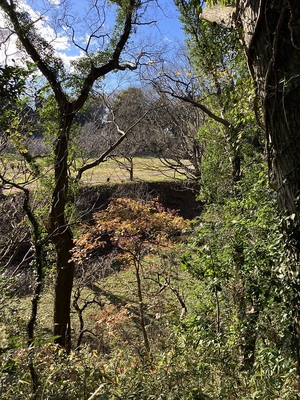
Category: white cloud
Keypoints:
(8, 41)
(8, 47)
(58, 41)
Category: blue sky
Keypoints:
(166, 26)
(168, 20)
(164, 32)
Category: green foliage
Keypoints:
(238, 252)
(216, 173)
(223, 85)
(192, 358)
(188, 370)
(237, 256)
(12, 81)
(234, 341)
(223, 3)
(189, 13)
(12, 90)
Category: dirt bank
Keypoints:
(172, 195)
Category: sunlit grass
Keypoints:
(144, 169)
(114, 171)
(117, 289)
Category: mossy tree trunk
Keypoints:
(271, 32)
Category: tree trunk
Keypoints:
(62, 238)
(141, 306)
(131, 170)
(129, 159)
(271, 32)
(63, 290)
(250, 337)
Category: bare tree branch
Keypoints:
(106, 153)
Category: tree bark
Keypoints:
(63, 291)
(274, 60)
(141, 305)
(271, 33)
(62, 237)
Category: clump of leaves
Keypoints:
(133, 227)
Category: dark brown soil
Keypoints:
(178, 196)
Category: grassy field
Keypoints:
(144, 169)
(114, 171)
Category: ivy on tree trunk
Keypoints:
(271, 33)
